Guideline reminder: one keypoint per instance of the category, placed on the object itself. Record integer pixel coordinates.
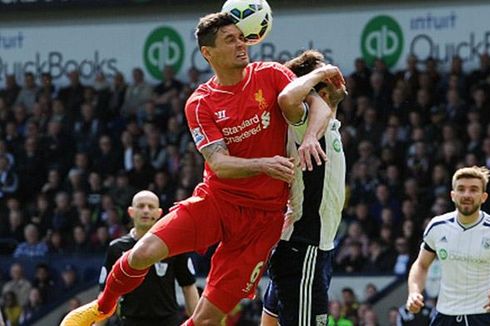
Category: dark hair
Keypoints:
(208, 27)
(305, 63)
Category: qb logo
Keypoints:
(253, 277)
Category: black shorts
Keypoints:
(300, 278)
(461, 320)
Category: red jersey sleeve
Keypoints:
(282, 76)
(201, 122)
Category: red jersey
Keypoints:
(248, 119)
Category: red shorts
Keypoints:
(247, 236)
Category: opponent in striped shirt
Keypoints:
(461, 241)
(300, 267)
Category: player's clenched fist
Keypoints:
(279, 167)
(332, 75)
(415, 302)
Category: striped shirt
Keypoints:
(317, 197)
(464, 254)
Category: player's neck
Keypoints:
(230, 77)
(138, 232)
(468, 220)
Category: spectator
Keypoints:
(335, 317)
(69, 279)
(80, 243)
(137, 94)
(122, 191)
(18, 284)
(349, 303)
(72, 95)
(27, 94)
(9, 181)
(11, 90)
(11, 308)
(44, 283)
(32, 247)
(33, 306)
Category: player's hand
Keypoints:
(310, 147)
(415, 302)
(279, 167)
(332, 75)
(487, 306)
(335, 95)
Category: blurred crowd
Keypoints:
(72, 157)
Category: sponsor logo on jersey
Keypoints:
(246, 128)
(336, 145)
(221, 115)
(260, 99)
(442, 254)
(197, 135)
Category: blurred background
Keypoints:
(91, 111)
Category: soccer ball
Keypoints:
(252, 17)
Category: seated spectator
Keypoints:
(349, 303)
(44, 283)
(33, 246)
(370, 292)
(27, 95)
(18, 284)
(353, 260)
(11, 308)
(69, 279)
(15, 228)
(137, 94)
(403, 259)
(101, 239)
(335, 316)
(56, 243)
(33, 306)
(80, 243)
(9, 181)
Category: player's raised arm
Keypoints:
(294, 96)
(416, 280)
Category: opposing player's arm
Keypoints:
(191, 298)
(417, 278)
(224, 165)
(291, 98)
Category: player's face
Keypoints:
(468, 195)
(145, 211)
(230, 50)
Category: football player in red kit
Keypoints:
(238, 120)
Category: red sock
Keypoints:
(121, 280)
(188, 322)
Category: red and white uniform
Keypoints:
(245, 215)
(247, 117)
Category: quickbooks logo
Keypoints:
(163, 47)
(382, 38)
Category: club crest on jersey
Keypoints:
(485, 242)
(260, 99)
(197, 135)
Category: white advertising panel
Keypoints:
(342, 36)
